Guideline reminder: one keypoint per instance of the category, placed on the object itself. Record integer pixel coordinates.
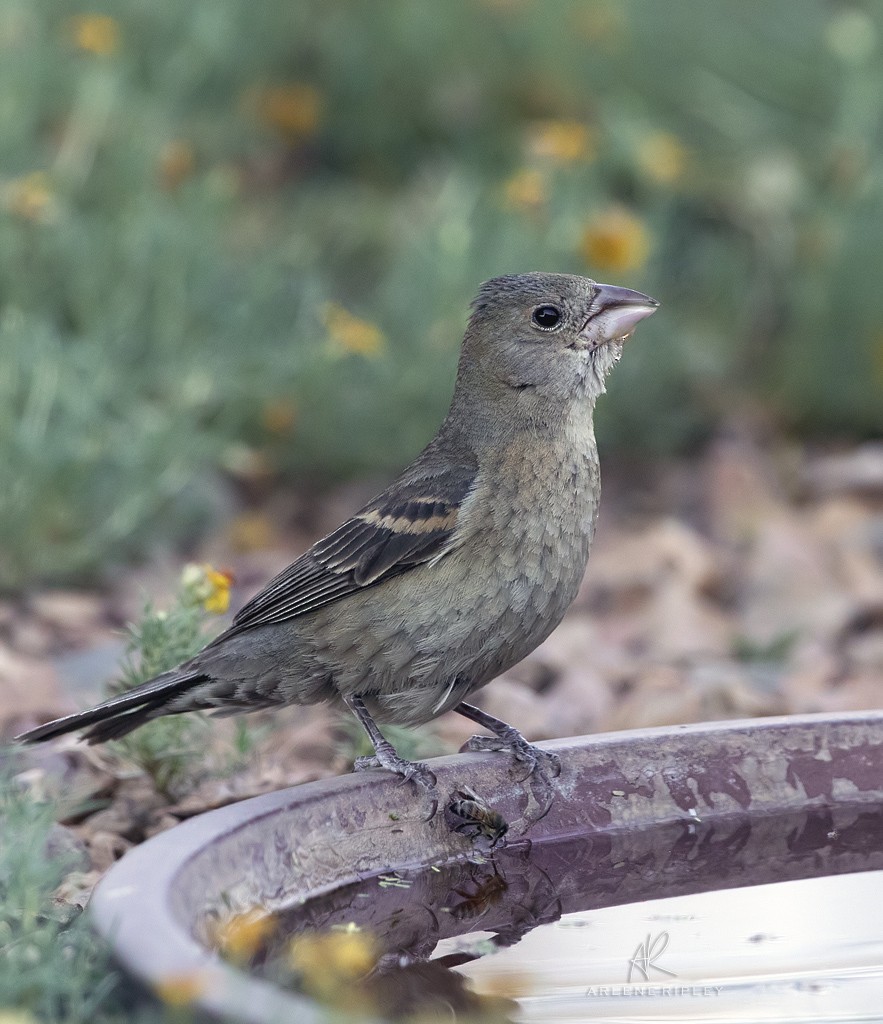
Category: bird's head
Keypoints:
(551, 336)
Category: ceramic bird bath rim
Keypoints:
(278, 850)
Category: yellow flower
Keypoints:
(292, 110)
(348, 333)
(243, 935)
(180, 989)
(616, 240)
(218, 600)
(95, 33)
(331, 963)
(525, 190)
(662, 157)
(177, 162)
(202, 584)
(563, 142)
(31, 198)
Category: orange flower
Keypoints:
(616, 240)
(95, 33)
(525, 190)
(348, 333)
(292, 110)
(563, 142)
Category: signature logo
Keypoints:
(646, 954)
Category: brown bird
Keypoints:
(454, 573)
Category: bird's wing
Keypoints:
(412, 522)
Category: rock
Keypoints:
(134, 807)
(864, 652)
(680, 623)
(517, 705)
(582, 643)
(788, 585)
(75, 891)
(728, 690)
(659, 696)
(632, 566)
(7, 617)
(503, 698)
(708, 690)
(30, 689)
(31, 637)
(106, 848)
(856, 691)
(578, 702)
(161, 823)
(84, 674)
(811, 671)
(741, 487)
(857, 472)
(73, 614)
(64, 846)
(849, 534)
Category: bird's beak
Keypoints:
(615, 313)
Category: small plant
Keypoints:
(774, 651)
(53, 967)
(170, 749)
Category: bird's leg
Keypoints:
(505, 737)
(385, 754)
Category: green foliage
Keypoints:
(51, 963)
(170, 750)
(183, 188)
(774, 652)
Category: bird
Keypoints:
(453, 573)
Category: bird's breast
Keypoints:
(448, 626)
(542, 504)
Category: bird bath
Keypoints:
(687, 873)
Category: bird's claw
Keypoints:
(542, 763)
(410, 771)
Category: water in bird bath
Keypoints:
(771, 918)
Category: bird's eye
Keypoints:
(546, 317)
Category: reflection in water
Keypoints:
(529, 924)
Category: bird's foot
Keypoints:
(545, 765)
(410, 771)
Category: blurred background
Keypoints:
(238, 241)
(237, 246)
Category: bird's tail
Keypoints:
(121, 714)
